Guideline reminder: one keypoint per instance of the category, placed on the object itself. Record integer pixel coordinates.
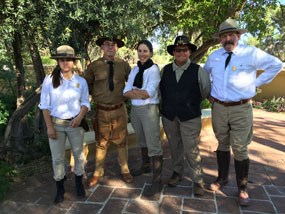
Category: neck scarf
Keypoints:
(138, 82)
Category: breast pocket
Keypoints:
(101, 76)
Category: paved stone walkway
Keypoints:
(112, 196)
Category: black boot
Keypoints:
(223, 160)
(145, 168)
(60, 191)
(242, 168)
(156, 185)
(79, 186)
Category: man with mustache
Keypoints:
(232, 69)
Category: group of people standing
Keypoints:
(228, 80)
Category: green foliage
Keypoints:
(272, 105)
(7, 173)
(205, 104)
(7, 107)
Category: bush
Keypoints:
(7, 107)
(7, 173)
(272, 105)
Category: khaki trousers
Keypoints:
(183, 139)
(112, 128)
(233, 126)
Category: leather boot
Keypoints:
(242, 168)
(156, 185)
(145, 168)
(223, 160)
(59, 197)
(79, 186)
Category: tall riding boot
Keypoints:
(242, 168)
(156, 185)
(60, 191)
(79, 186)
(223, 160)
(145, 168)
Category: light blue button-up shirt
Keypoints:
(238, 80)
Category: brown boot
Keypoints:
(242, 168)
(93, 181)
(145, 168)
(223, 160)
(156, 185)
(174, 179)
(127, 177)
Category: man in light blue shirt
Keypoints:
(232, 69)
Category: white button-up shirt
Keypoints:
(65, 101)
(238, 80)
(151, 79)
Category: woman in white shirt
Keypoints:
(142, 89)
(64, 102)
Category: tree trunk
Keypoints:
(40, 75)
(198, 55)
(13, 138)
(20, 71)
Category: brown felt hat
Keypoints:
(101, 40)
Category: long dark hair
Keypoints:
(56, 78)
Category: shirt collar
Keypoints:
(235, 51)
(183, 67)
(72, 78)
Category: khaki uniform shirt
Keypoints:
(98, 83)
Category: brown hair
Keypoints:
(56, 78)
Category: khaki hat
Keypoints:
(64, 51)
(101, 40)
(179, 41)
(230, 25)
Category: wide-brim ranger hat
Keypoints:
(230, 25)
(66, 52)
(180, 41)
(101, 40)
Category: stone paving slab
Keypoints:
(112, 195)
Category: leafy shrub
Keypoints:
(205, 104)
(7, 173)
(272, 104)
(7, 107)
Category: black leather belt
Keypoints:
(236, 103)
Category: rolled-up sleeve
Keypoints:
(84, 101)
(270, 64)
(45, 100)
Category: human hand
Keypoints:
(51, 132)
(75, 122)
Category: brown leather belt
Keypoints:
(226, 104)
(109, 107)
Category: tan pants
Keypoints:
(183, 140)
(112, 128)
(233, 126)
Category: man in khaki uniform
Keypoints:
(106, 79)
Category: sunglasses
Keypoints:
(178, 50)
(65, 60)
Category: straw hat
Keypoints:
(229, 25)
(64, 51)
